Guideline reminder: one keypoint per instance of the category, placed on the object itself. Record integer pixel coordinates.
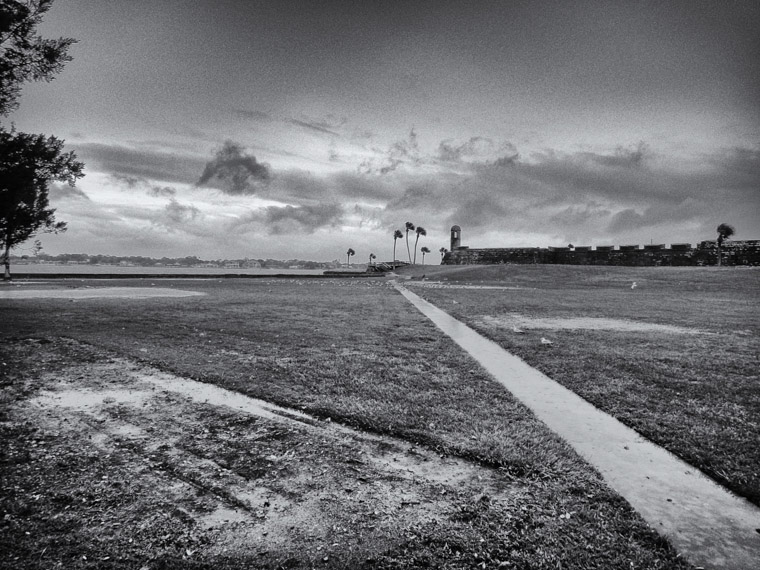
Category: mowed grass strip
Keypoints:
(694, 390)
(356, 352)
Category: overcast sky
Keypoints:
(229, 129)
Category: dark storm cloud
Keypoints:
(234, 172)
(303, 219)
(585, 194)
(481, 211)
(129, 163)
(161, 191)
(320, 128)
(414, 197)
(475, 147)
(133, 182)
(180, 213)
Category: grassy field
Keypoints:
(676, 357)
(349, 350)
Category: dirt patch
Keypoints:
(165, 470)
(581, 323)
(96, 293)
(441, 285)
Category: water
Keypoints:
(119, 270)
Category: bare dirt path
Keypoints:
(95, 293)
(253, 481)
(705, 522)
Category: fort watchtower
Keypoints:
(456, 237)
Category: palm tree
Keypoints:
(725, 231)
(443, 251)
(409, 227)
(420, 232)
(371, 257)
(349, 253)
(424, 250)
(396, 235)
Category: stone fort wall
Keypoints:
(705, 253)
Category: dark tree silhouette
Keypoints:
(24, 55)
(371, 257)
(396, 235)
(443, 251)
(28, 163)
(349, 253)
(725, 231)
(420, 232)
(409, 228)
(424, 251)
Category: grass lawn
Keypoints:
(353, 351)
(676, 357)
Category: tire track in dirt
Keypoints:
(261, 477)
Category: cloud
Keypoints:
(402, 152)
(180, 213)
(129, 163)
(413, 197)
(63, 191)
(161, 191)
(481, 148)
(234, 172)
(302, 219)
(319, 127)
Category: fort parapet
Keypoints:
(680, 254)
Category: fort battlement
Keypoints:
(678, 254)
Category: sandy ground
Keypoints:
(256, 480)
(95, 293)
(583, 323)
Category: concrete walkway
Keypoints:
(707, 524)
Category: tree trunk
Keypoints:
(7, 262)
(415, 249)
(394, 253)
(407, 246)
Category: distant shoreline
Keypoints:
(103, 270)
(112, 272)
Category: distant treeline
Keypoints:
(190, 261)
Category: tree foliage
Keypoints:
(725, 231)
(409, 228)
(420, 231)
(396, 235)
(24, 55)
(28, 163)
(425, 250)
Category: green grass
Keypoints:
(355, 351)
(697, 395)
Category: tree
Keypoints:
(725, 231)
(349, 253)
(371, 257)
(396, 235)
(420, 232)
(424, 250)
(24, 55)
(28, 163)
(409, 228)
(443, 251)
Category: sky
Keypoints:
(298, 129)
